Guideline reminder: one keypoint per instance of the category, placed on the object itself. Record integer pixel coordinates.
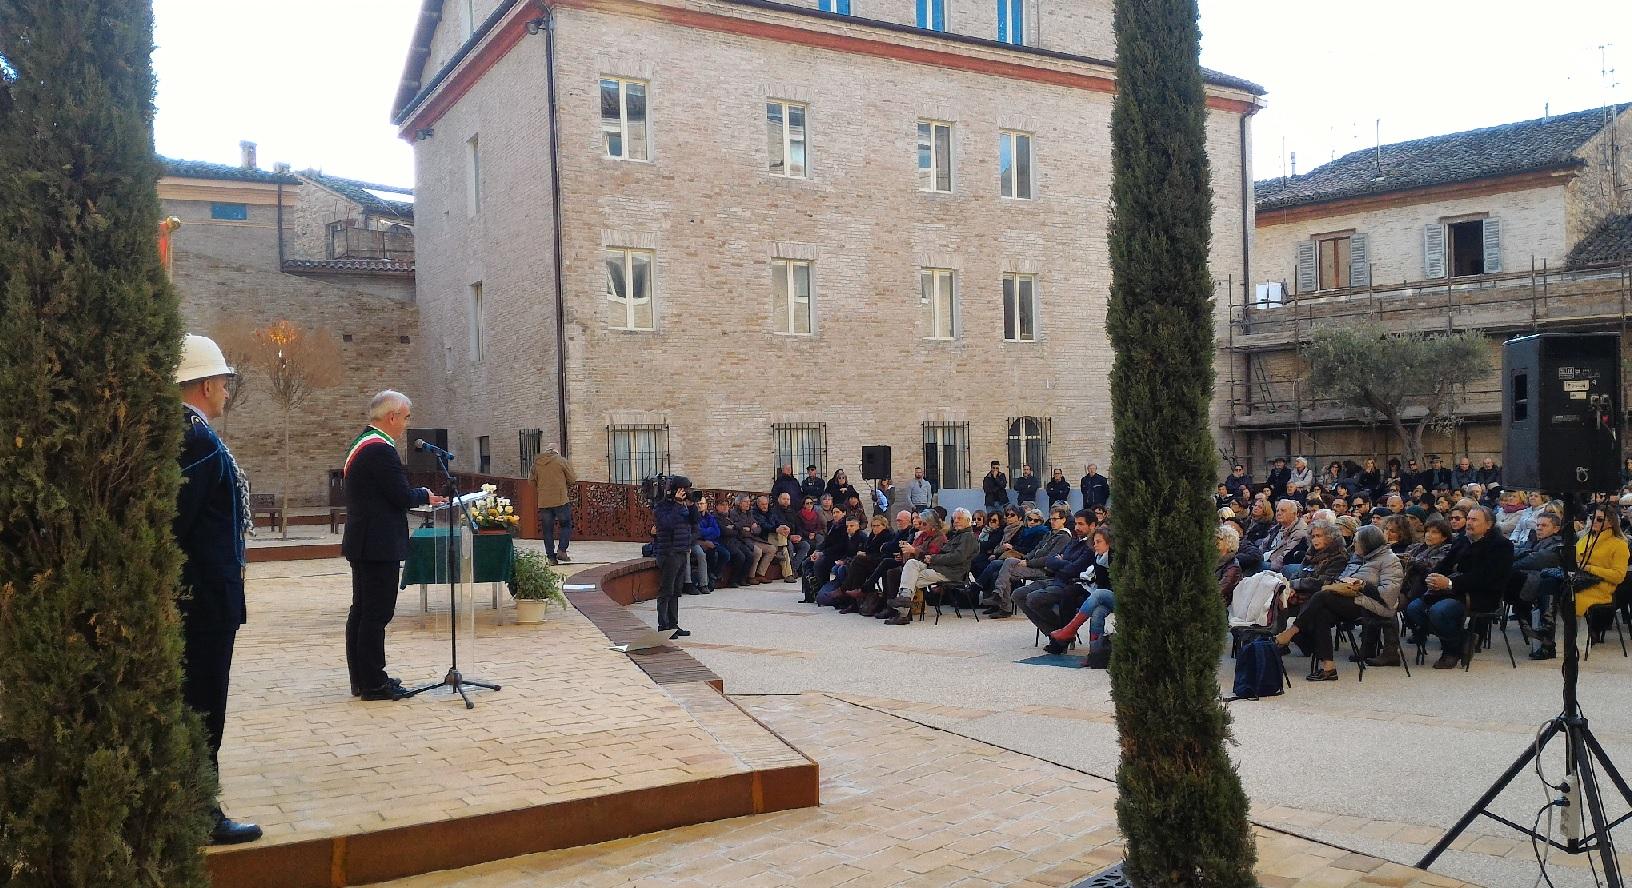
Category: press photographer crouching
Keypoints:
(676, 519)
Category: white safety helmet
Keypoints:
(201, 358)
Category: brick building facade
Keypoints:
(785, 232)
(1505, 229)
(230, 271)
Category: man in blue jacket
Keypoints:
(212, 517)
(676, 521)
(1050, 603)
(376, 540)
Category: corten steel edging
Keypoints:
(399, 852)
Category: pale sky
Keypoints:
(312, 82)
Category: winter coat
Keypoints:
(1462, 478)
(996, 488)
(1027, 536)
(1059, 491)
(709, 530)
(1491, 477)
(1259, 531)
(1383, 577)
(553, 480)
(1277, 482)
(1232, 483)
(1026, 487)
(813, 488)
(1283, 542)
(954, 559)
(810, 523)
(1478, 570)
(1607, 561)
(1228, 573)
(789, 485)
(1303, 481)
(1048, 547)
(882, 545)
(1320, 566)
(841, 493)
(1070, 561)
(1530, 560)
(676, 527)
(1096, 490)
(747, 529)
(1421, 560)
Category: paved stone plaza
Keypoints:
(1382, 766)
(943, 759)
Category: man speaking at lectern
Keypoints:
(376, 541)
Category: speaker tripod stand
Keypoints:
(1581, 750)
(454, 679)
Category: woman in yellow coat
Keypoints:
(1602, 552)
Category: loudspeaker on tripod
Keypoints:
(1561, 412)
(875, 462)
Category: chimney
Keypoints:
(246, 155)
(280, 167)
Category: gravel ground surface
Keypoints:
(1379, 766)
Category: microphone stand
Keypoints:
(1581, 748)
(454, 679)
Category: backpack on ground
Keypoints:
(1258, 669)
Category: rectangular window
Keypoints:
(785, 138)
(946, 454)
(470, 18)
(790, 296)
(934, 155)
(801, 444)
(484, 455)
(473, 175)
(1467, 243)
(477, 347)
(842, 7)
(634, 452)
(1020, 308)
(1011, 22)
(1334, 262)
(629, 289)
(939, 301)
(932, 15)
(623, 119)
(1014, 165)
(232, 212)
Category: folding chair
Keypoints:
(1614, 619)
(1477, 627)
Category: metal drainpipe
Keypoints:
(280, 225)
(555, 208)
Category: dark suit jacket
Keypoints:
(377, 502)
(208, 530)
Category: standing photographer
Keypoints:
(676, 520)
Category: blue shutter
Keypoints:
(1003, 21)
(232, 212)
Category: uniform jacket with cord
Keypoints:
(209, 528)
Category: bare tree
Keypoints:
(1409, 381)
(239, 345)
(297, 362)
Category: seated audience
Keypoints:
(1472, 575)
(1027, 566)
(1601, 553)
(1321, 565)
(949, 564)
(1100, 603)
(1368, 584)
(1047, 603)
(1533, 585)
(1286, 543)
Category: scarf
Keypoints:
(370, 436)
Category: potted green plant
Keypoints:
(534, 585)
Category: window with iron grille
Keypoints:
(1028, 445)
(946, 454)
(634, 452)
(800, 444)
(532, 441)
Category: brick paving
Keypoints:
(574, 719)
(905, 805)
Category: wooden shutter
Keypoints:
(1359, 261)
(1493, 246)
(1306, 268)
(1433, 251)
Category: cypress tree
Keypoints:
(103, 774)
(1180, 805)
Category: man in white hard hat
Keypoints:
(212, 519)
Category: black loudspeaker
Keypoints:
(415, 461)
(875, 462)
(1561, 412)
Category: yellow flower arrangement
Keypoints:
(493, 512)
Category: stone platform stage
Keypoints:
(581, 745)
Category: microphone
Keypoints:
(425, 446)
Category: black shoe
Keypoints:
(1054, 647)
(808, 599)
(1384, 661)
(689, 589)
(357, 691)
(386, 691)
(232, 832)
(667, 628)
(553, 559)
(901, 601)
(898, 620)
(680, 633)
(1000, 614)
(706, 590)
(561, 557)
(1545, 652)
(1322, 675)
(1447, 661)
